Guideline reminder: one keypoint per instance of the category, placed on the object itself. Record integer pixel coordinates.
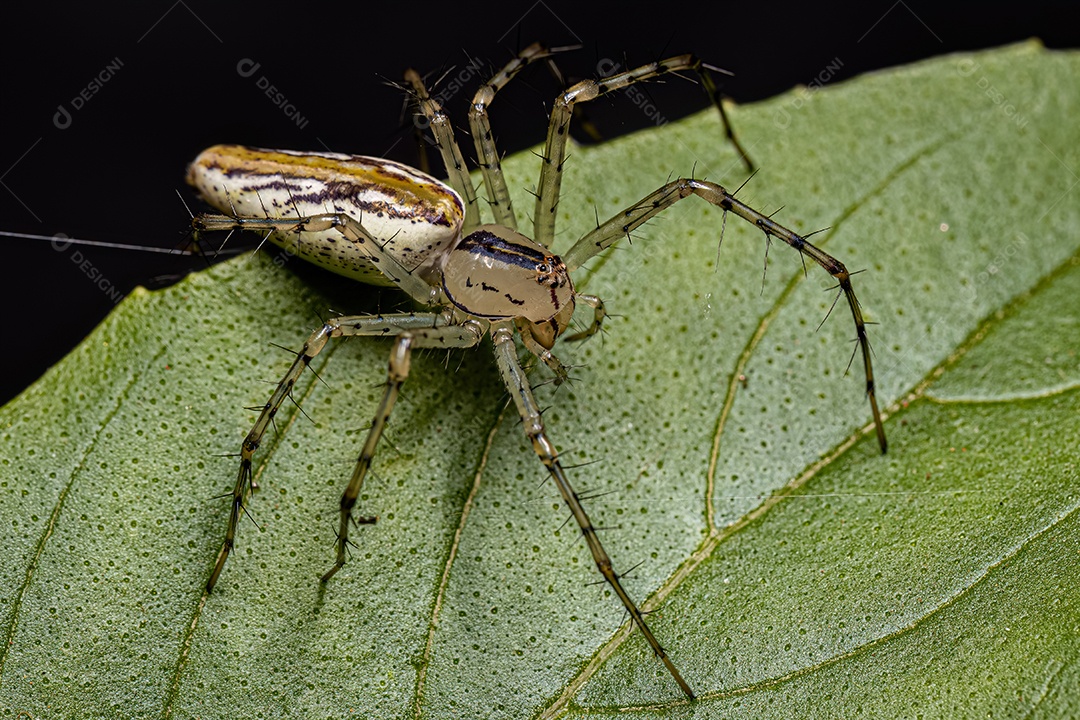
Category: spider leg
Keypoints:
(350, 229)
(718, 101)
(423, 328)
(547, 199)
(448, 148)
(466, 334)
(518, 386)
(599, 313)
(608, 233)
(561, 371)
(480, 125)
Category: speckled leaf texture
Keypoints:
(791, 569)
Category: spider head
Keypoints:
(499, 274)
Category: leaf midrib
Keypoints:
(717, 535)
(972, 584)
(905, 405)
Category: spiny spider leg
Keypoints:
(499, 195)
(729, 131)
(462, 335)
(547, 198)
(424, 328)
(451, 154)
(352, 230)
(517, 384)
(651, 205)
(561, 371)
(599, 313)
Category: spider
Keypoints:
(386, 223)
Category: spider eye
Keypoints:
(543, 268)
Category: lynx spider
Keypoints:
(392, 224)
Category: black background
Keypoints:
(112, 174)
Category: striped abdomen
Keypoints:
(416, 216)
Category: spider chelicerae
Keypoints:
(385, 223)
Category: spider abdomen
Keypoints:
(415, 215)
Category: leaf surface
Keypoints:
(796, 571)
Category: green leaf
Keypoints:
(796, 571)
